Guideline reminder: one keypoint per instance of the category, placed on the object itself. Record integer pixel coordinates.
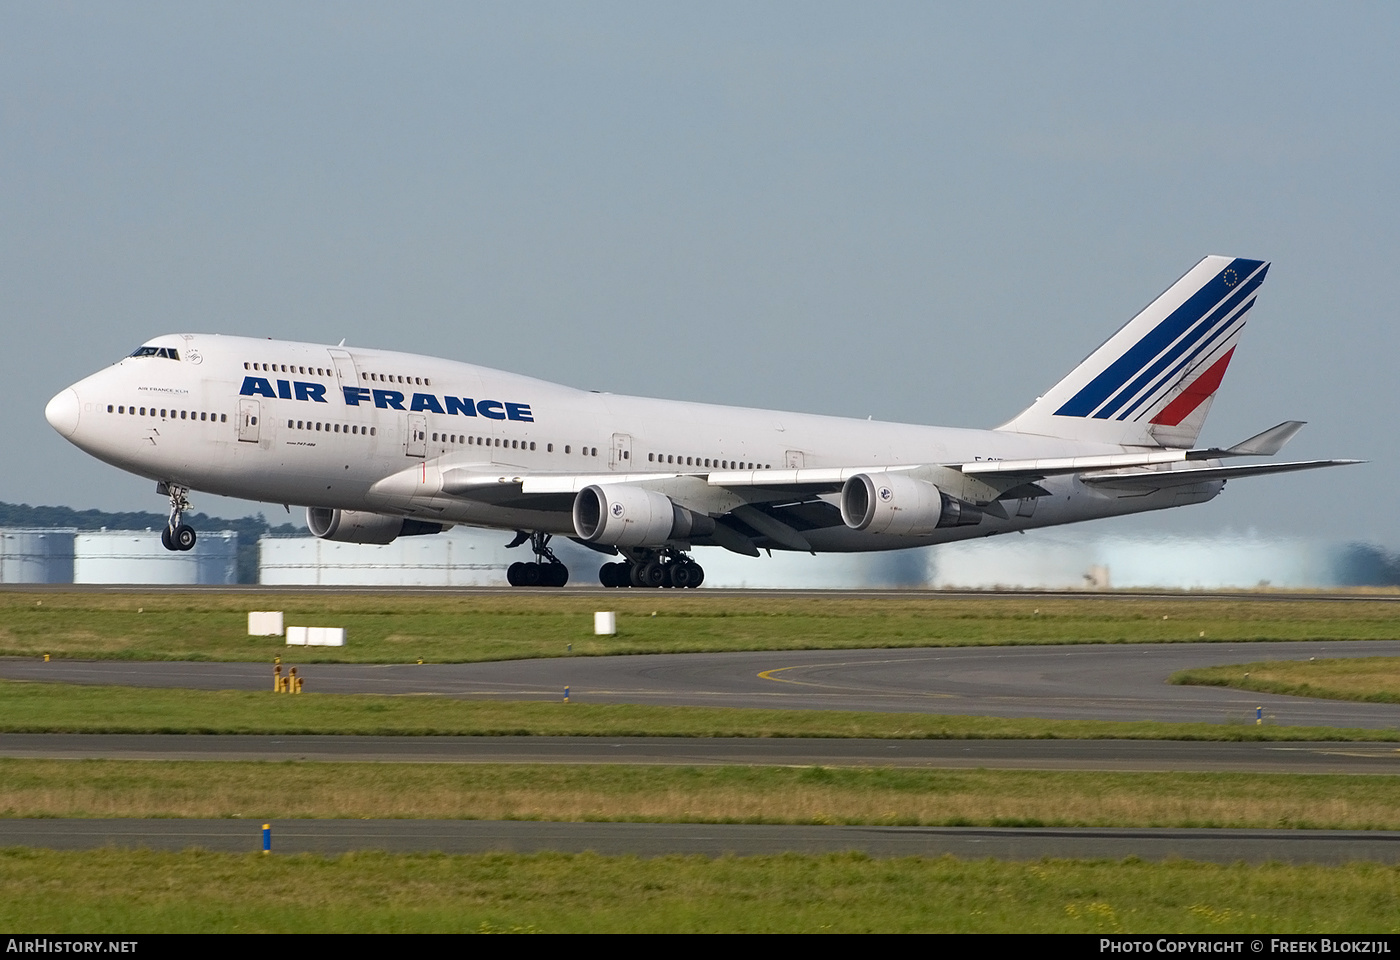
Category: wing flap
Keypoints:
(1161, 479)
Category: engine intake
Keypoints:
(899, 505)
(629, 516)
(358, 526)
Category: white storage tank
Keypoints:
(460, 557)
(137, 556)
(36, 555)
(453, 559)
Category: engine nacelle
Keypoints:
(899, 505)
(628, 516)
(358, 526)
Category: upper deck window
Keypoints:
(168, 352)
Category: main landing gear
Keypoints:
(544, 571)
(666, 568)
(177, 534)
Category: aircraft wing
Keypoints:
(1148, 480)
(777, 507)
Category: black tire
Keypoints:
(165, 540)
(531, 576)
(697, 574)
(514, 574)
(184, 537)
(558, 575)
(634, 575)
(651, 575)
(681, 574)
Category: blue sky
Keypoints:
(919, 212)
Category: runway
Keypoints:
(1077, 682)
(711, 840)
(580, 589)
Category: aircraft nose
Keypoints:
(62, 412)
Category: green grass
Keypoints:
(138, 892)
(76, 708)
(703, 794)
(1366, 679)
(436, 627)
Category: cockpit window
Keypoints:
(168, 352)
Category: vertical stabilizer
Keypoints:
(1152, 382)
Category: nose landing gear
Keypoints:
(177, 534)
(545, 571)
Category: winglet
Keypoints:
(1265, 444)
(1269, 442)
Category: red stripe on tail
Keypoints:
(1196, 394)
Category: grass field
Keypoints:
(1370, 679)
(718, 794)
(75, 708)
(443, 627)
(140, 892)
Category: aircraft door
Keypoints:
(344, 367)
(620, 457)
(415, 442)
(248, 421)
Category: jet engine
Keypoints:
(358, 526)
(899, 505)
(629, 516)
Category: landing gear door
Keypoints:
(416, 439)
(620, 457)
(248, 421)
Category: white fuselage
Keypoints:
(299, 423)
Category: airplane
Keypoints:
(378, 444)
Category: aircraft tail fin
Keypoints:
(1152, 382)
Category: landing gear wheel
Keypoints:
(544, 571)
(177, 534)
(684, 574)
(652, 574)
(183, 538)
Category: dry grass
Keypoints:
(1373, 679)
(75, 708)
(51, 788)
